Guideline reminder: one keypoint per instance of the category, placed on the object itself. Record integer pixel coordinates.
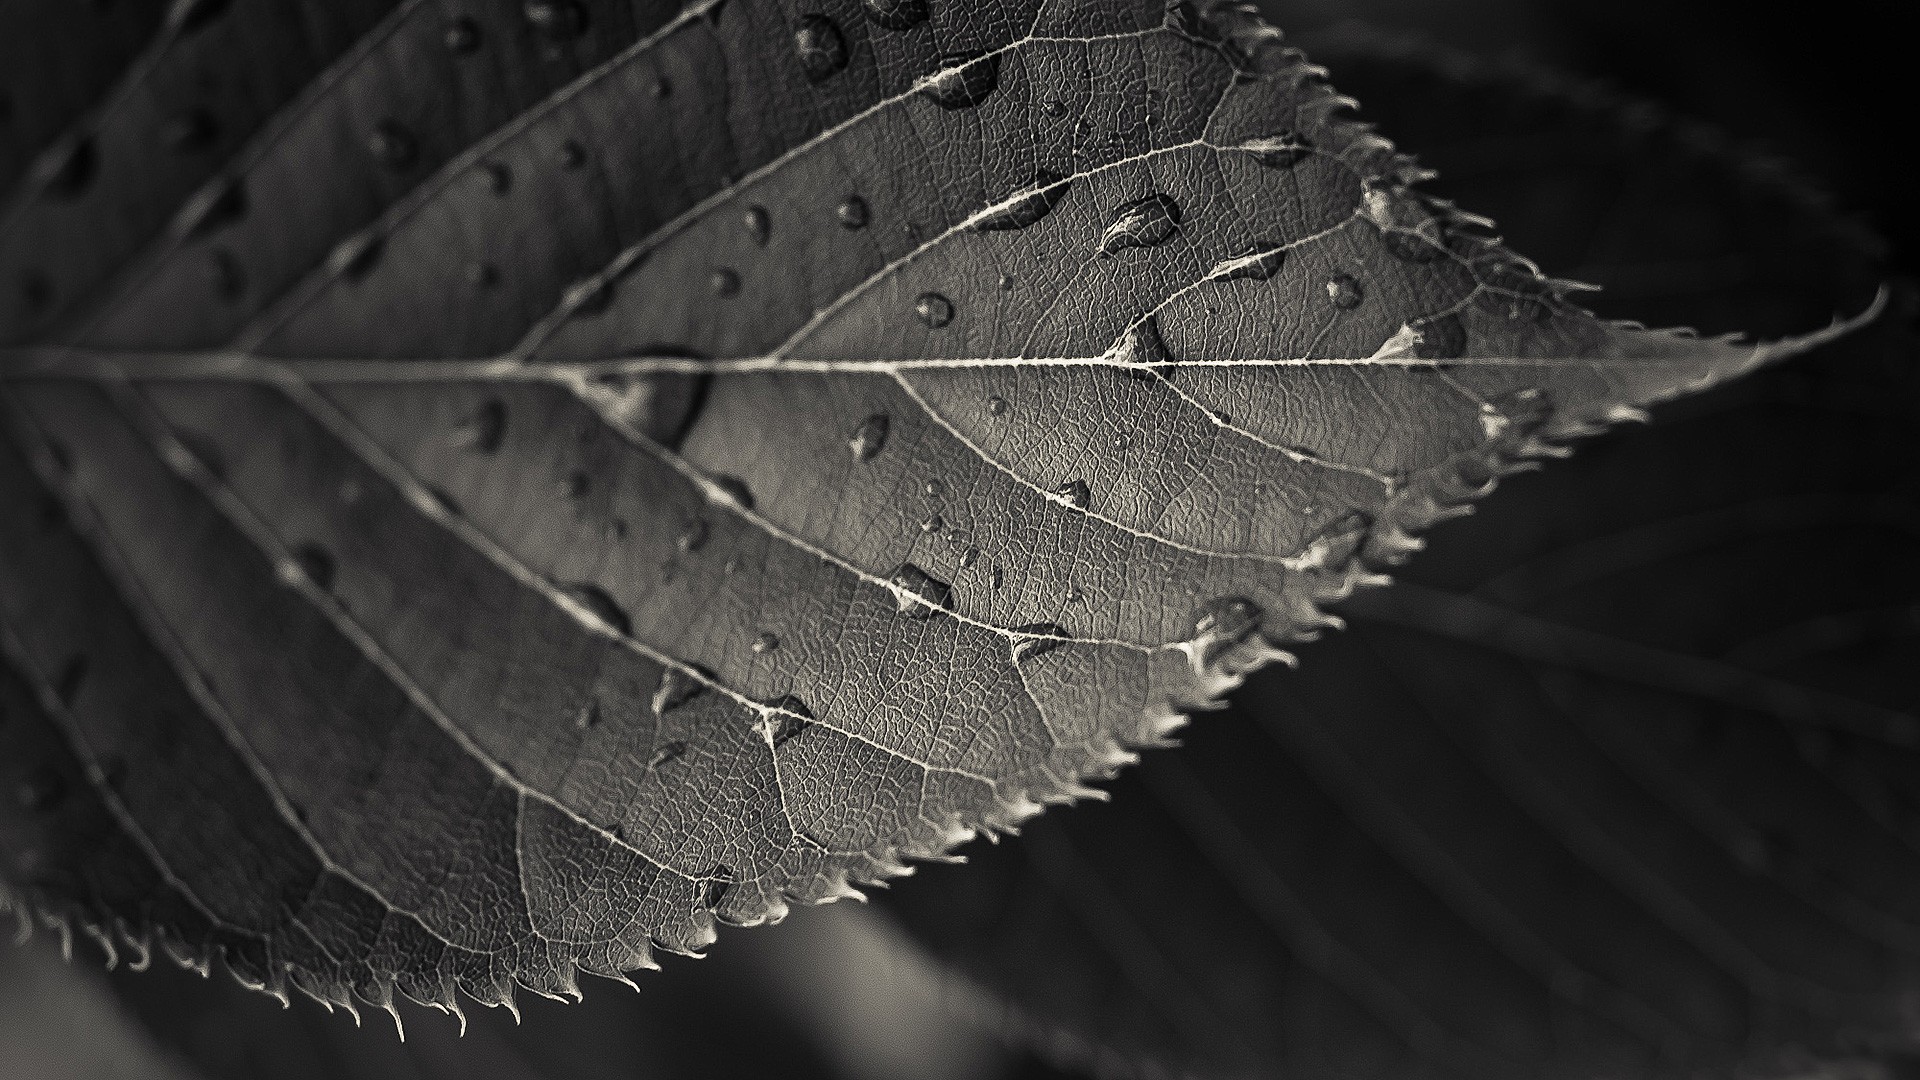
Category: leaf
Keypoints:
(1621, 782)
(800, 444)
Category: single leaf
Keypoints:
(1622, 783)
(840, 434)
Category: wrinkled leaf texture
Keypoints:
(496, 524)
(1620, 780)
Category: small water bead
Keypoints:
(933, 309)
(1073, 595)
(933, 523)
(896, 14)
(694, 536)
(963, 80)
(1260, 262)
(1223, 622)
(486, 429)
(853, 213)
(317, 564)
(869, 437)
(1345, 292)
(970, 556)
(678, 686)
(1006, 282)
(822, 48)
(919, 594)
(66, 169)
(790, 718)
(499, 176)
(358, 254)
(1122, 441)
(462, 36)
(759, 224)
(724, 281)
(935, 488)
(1141, 351)
(1054, 107)
(1144, 222)
(578, 484)
(572, 155)
(997, 578)
(668, 753)
(1074, 493)
(766, 642)
(1442, 338)
(997, 405)
(191, 131)
(556, 20)
(483, 275)
(41, 790)
(214, 207)
(588, 297)
(603, 606)
(393, 145)
(736, 490)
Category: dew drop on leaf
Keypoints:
(483, 275)
(67, 168)
(1258, 263)
(317, 564)
(393, 145)
(499, 176)
(920, 593)
(354, 257)
(766, 642)
(572, 155)
(556, 20)
(853, 213)
(933, 523)
(73, 675)
(719, 883)
(1038, 639)
(590, 716)
(789, 719)
(588, 297)
(1074, 493)
(578, 485)
(822, 48)
(213, 207)
(1281, 150)
(970, 556)
(869, 437)
(662, 88)
(694, 536)
(1144, 222)
(678, 686)
(1442, 338)
(671, 751)
(603, 606)
(963, 80)
(997, 405)
(1345, 292)
(935, 488)
(40, 791)
(1054, 107)
(736, 490)
(1220, 623)
(933, 309)
(1141, 351)
(1027, 205)
(896, 14)
(462, 36)
(759, 224)
(724, 281)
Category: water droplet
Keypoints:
(67, 168)
(486, 429)
(1184, 18)
(997, 405)
(933, 309)
(896, 14)
(1038, 640)
(1073, 595)
(719, 883)
(724, 281)
(191, 131)
(1442, 338)
(1074, 493)
(679, 686)
(578, 484)
(1027, 205)
(213, 207)
(1122, 440)
(853, 213)
(1258, 263)
(446, 502)
(603, 606)
(483, 275)
(229, 281)
(668, 752)
(392, 145)
(823, 51)
(694, 537)
(1281, 150)
(1141, 351)
(40, 791)
(759, 224)
(358, 254)
(920, 593)
(933, 523)
(73, 675)
(191, 15)
(791, 718)
(766, 642)
(1408, 229)
(869, 437)
(1006, 282)
(317, 564)
(589, 716)
(935, 488)
(1054, 107)
(963, 80)
(572, 155)
(1141, 223)
(969, 557)
(556, 20)
(735, 490)
(499, 177)
(462, 36)
(1345, 292)
(588, 297)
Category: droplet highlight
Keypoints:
(1345, 292)
(765, 642)
(869, 437)
(933, 309)
(759, 225)
(603, 606)
(1442, 338)
(853, 213)
(462, 36)
(393, 145)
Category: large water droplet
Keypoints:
(603, 606)
(1141, 223)
(963, 80)
(823, 51)
(933, 523)
(735, 490)
(317, 564)
(1258, 263)
(765, 642)
(921, 594)
(759, 224)
(462, 36)
(678, 686)
(853, 213)
(1038, 640)
(1141, 351)
(392, 145)
(556, 20)
(1074, 493)
(1442, 338)
(790, 718)
(869, 437)
(358, 254)
(67, 168)
(1027, 205)
(1281, 150)
(896, 14)
(1345, 292)
(933, 309)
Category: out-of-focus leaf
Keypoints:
(803, 441)
(1624, 781)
